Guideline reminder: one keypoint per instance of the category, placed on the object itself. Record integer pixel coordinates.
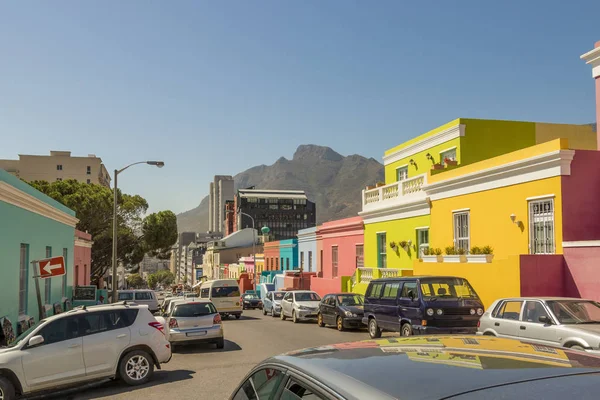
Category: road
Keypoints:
(202, 372)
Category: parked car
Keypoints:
(300, 305)
(84, 344)
(431, 367)
(224, 294)
(421, 305)
(143, 296)
(250, 301)
(194, 321)
(272, 303)
(554, 321)
(263, 289)
(344, 310)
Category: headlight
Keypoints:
(480, 311)
(439, 311)
(350, 314)
(473, 311)
(430, 312)
(246, 302)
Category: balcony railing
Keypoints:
(394, 193)
(366, 275)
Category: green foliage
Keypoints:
(475, 250)
(487, 250)
(135, 281)
(450, 251)
(460, 251)
(437, 251)
(426, 251)
(93, 205)
(162, 277)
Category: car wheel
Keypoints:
(282, 315)
(273, 313)
(264, 311)
(136, 368)
(238, 316)
(320, 320)
(406, 330)
(576, 347)
(172, 347)
(374, 331)
(294, 318)
(7, 390)
(340, 323)
(220, 343)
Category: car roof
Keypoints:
(416, 277)
(544, 298)
(100, 307)
(343, 294)
(406, 368)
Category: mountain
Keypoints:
(332, 181)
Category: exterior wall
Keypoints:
(307, 246)
(320, 255)
(580, 137)
(271, 255)
(288, 252)
(396, 231)
(552, 268)
(582, 278)
(82, 258)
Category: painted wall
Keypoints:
(288, 252)
(580, 137)
(397, 230)
(543, 275)
(580, 193)
(82, 261)
(582, 278)
(307, 246)
(271, 252)
(490, 222)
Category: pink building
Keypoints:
(341, 246)
(82, 258)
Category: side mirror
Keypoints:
(545, 320)
(36, 341)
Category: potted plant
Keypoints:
(380, 184)
(449, 162)
(481, 255)
(454, 255)
(432, 255)
(370, 187)
(393, 245)
(437, 166)
(403, 244)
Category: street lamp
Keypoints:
(253, 244)
(158, 164)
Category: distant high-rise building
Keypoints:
(220, 191)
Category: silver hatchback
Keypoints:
(552, 321)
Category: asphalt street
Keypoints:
(202, 372)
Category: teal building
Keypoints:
(288, 252)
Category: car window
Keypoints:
(533, 311)
(575, 311)
(262, 385)
(288, 296)
(143, 296)
(349, 300)
(60, 330)
(307, 296)
(375, 291)
(226, 291)
(128, 316)
(125, 296)
(390, 290)
(510, 310)
(278, 296)
(189, 310)
(407, 289)
(204, 293)
(295, 390)
(99, 322)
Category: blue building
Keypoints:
(32, 227)
(307, 249)
(288, 252)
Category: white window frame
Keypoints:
(310, 261)
(458, 239)
(422, 246)
(23, 277)
(382, 256)
(404, 169)
(443, 155)
(546, 247)
(335, 252)
(360, 258)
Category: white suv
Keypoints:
(85, 344)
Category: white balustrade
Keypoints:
(394, 193)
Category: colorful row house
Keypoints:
(307, 249)
(281, 255)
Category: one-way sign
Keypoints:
(50, 267)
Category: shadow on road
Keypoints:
(242, 318)
(206, 348)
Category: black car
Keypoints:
(344, 310)
(426, 368)
(250, 300)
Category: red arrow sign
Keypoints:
(50, 267)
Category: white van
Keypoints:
(147, 297)
(224, 294)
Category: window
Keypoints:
(422, 241)
(302, 260)
(23, 278)
(295, 390)
(510, 310)
(89, 170)
(307, 296)
(59, 167)
(64, 278)
(190, 310)
(321, 261)
(381, 250)
(449, 154)
(143, 296)
(310, 261)
(533, 311)
(390, 290)
(204, 293)
(287, 263)
(60, 330)
(402, 173)
(375, 291)
(541, 226)
(88, 181)
(48, 281)
(127, 296)
(98, 322)
(226, 291)
(360, 256)
(288, 296)
(261, 385)
(334, 261)
(461, 230)
(408, 289)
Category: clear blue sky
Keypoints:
(214, 87)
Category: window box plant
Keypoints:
(403, 244)
(393, 245)
(450, 163)
(432, 255)
(454, 255)
(481, 255)
(370, 187)
(437, 166)
(380, 184)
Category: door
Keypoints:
(105, 336)
(532, 329)
(507, 320)
(57, 361)
(267, 303)
(286, 304)
(388, 305)
(372, 298)
(328, 310)
(408, 303)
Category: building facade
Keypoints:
(221, 190)
(288, 254)
(307, 249)
(58, 166)
(82, 259)
(228, 250)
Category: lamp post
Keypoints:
(253, 243)
(158, 164)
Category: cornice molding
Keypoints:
(593, 58)
(413, 209)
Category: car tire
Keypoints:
(7, 389)
(282, 315)
(264, 311)
(220, 343)
(406, 330)
(238, 316)
(294, 317)
(136, 368)
(339, 323)
(374, 331)
(320, 322)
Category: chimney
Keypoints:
(593, 57)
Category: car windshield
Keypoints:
(307, 297)
(435, 288)
(350, 300)
(278, 295)
(190, 310)
(23, 335)
(250, 296)
(575, 311)
(125, 296)
(226, 291)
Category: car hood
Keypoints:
(5, 350)
(454, 302)
(311, 304)
(353, 309)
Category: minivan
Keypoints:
(420, 305)
(147, 297)
(225, 295)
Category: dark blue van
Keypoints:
(419, 305)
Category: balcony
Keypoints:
(394, 194)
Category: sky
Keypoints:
(216, 87)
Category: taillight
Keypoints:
(478, 324)
(158, 325)
(173, 323)
(217, 319)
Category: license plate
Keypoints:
(196, 333)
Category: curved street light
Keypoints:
(158, 164)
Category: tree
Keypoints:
(137, 234)
(162, 277)
(135, 281)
